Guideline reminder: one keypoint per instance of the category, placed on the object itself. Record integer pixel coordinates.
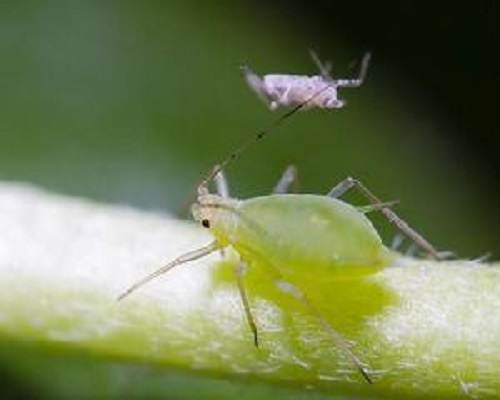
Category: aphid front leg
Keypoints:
(190, 256)
(256, 83)
(288, 179)
(393, 218)
(239, 270)
(337, 338)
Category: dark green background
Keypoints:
(131, 102)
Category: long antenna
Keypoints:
(255, 138)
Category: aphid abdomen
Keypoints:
(289, 90)
(308, 232)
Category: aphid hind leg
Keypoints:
(393, 218)
(397, 241)
(288, 179)
(300, 296)
(337, 338)
(324, 69)
(239, 270)
(356, 82)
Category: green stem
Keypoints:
(423, 328)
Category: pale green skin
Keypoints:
(302, 235)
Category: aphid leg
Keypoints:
(239, 269)
(483, 258)
(361, 76)
(446, 254)
(411, 251)
(257, 85)
(393, 218)
(337, 338)
(189, 256)
(324, 69)
(279, 97)
(288, 179)
(397, 241)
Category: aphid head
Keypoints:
(333, 103)
(206, 209)
(216, 213)
(329, 97)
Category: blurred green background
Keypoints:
(131, 102)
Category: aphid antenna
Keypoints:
(249, 142)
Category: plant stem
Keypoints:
(423, 328)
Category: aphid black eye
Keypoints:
(205, 223)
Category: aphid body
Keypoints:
(280, 90)
(295, 234)
(284, 90)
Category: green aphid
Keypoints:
(293, 230)
(293, 234)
